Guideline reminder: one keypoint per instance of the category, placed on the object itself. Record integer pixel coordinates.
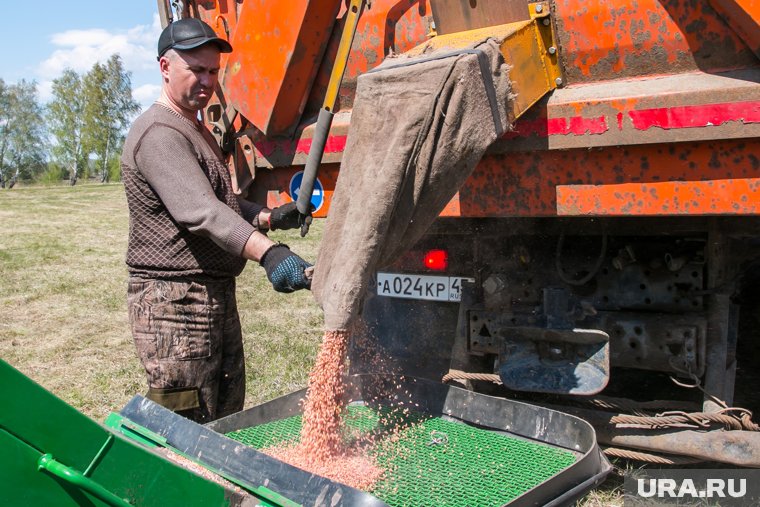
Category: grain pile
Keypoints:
(352, 467)
(321, 449)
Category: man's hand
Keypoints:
(285, 270)
(286, 217)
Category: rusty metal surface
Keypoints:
(524, 46)
(459, 15)
(656, 109)
(684, 107)
(278, 47)
(736, 447)
(284, 52)
(723, 315)
(744, 17)
(649, 341)
(524, 183)
(679, 126)
(244, 163)
(741, 448)
(656, 341)
(649, 304)
(274, 152)
(602, 40)
(711, 197)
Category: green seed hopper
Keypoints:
(452, 447)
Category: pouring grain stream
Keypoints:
(443, 110)
(320, 433)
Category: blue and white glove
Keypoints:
(285, 270)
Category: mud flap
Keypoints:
(562, 361)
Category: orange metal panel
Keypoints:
(744, 17)
(602, 40)
(278, 47)
(525, 183)
(711, 197)
(652, 110)
(599, 122)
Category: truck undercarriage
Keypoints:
(643, 309)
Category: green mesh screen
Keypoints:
(435, 461)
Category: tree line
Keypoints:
(78, 134)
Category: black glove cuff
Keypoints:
(274, 255)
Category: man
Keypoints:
(190, 236)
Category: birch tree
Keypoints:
(22, 131)
(66, 120)
(108, 110)
(27, 135)
(4, 128)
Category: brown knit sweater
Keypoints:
(184, 218)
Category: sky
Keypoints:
(41, 38)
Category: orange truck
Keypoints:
(604, 254)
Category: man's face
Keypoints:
(190, 77)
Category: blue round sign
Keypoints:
(317, 195)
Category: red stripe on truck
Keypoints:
(708, 115)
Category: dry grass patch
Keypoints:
(63, 302)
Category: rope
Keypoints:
(731, 421)
(616, 452)
(744, 416)
(618, 405)
(462, 375)
(697, 383)
(732, 418)
(637, 407)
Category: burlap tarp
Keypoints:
(418, 128)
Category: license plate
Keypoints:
(425, 287)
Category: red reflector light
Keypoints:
(437, 260)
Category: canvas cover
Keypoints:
(418, 128)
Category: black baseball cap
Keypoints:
(189, 33)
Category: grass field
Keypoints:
(63, 317)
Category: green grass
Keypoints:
(63, 316)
